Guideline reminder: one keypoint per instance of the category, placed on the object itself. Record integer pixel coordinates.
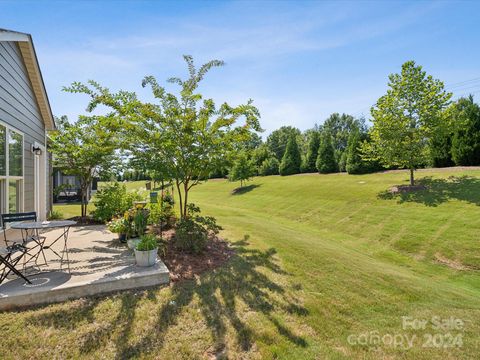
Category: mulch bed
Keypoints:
(183, 265)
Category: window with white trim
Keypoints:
(11, 170)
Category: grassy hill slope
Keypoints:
(360, 257)
(321, 259)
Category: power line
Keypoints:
(452, 85)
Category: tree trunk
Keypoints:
(180, 203)
(412, 179)
(185, 202)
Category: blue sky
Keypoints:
(298, 61)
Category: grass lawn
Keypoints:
(69, 210)
(321, 259)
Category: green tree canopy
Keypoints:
(278, 139)
(184, 135)
(464, 115)
(269, 166)
(85, 149)
(291, 160)
(406, 118)
(242, 170)
(340, 127)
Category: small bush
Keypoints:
(163, 215)
(147, 242)
(269, 167)
(193, 231)
(190, 236)
(55, 215)
(113, 200)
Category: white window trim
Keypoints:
(7, 177)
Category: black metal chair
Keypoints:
(26, 238)
(18, 217)
(9, 260)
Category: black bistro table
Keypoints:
(31, 230)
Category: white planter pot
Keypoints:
(146, 258)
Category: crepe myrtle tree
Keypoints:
(186, 135)
(406, 119)
(84, 149)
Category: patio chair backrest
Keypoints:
(16, 217)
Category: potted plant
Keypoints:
(146, 250)
(119, 226)
(140, 218)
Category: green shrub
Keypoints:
(168, 198)
(269, 167)
(163, 215)
(147, 242)
(190, 236)
(113, 200)
(193, 231)
(55, 215)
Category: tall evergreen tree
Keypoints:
(277, 141)
(441, 149)
(326, 155)
(465, 115)
(292, 159)
(355, 164)
(310, 164)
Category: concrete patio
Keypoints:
(98, 264)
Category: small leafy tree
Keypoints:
(242, 169)
(406, 118)
(465, 115)
(326, 155)
(291, 160)
(183, 135)
(84, 149)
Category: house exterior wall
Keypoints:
(19, 110)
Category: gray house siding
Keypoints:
(19, 110)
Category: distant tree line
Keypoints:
(414, 125)
(133, 175)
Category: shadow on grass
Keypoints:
(221, 294)
(244, 189)
(438, 191)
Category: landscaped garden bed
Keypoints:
(184, 265)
